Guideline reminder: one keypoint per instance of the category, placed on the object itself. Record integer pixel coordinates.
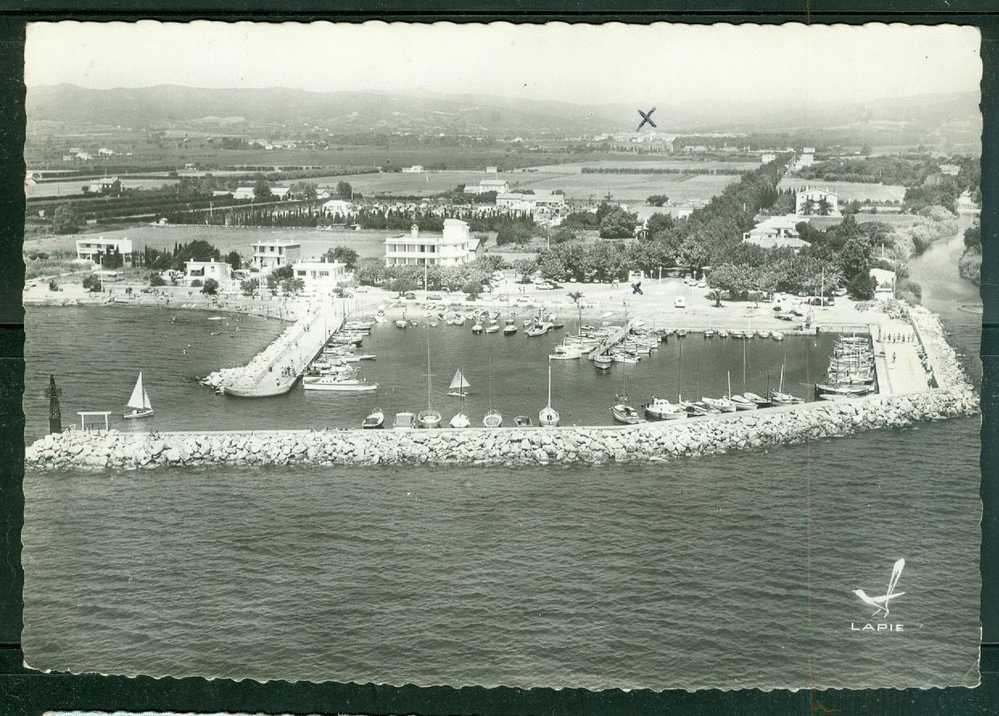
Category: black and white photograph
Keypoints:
(599, 356)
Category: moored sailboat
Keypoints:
(548, 417)
(459, 386)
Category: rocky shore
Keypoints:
(649, 442)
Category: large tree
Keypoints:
(66, 219)
(261, 190)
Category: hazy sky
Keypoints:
(575, 63)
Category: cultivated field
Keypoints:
(848, 191)
(577, 186)
(679, 164)
(368, 244)
(75, 186)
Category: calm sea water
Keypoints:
(96, 371)
(729, 571)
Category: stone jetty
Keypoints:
(649, 442)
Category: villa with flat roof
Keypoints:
(455, 247)
(270, 254)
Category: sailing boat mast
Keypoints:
(729, 385)
(428, 371)
(549, 383)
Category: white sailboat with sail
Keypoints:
(138, 404)
(459, 387)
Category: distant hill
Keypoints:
(170, 106)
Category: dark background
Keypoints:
(23, 691)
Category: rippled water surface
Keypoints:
(730, 571)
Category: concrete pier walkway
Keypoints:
(275, 370)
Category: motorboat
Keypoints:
(709, 333)
(493, 419)
(625, 358)
(522, 421)
(374, 420)
(662, 409)
(565, 353)
(538, 329)
(722, 405)
(723, 333)
(681, 332)
(401, 323)
(625, 414)
(460, 420)
(777, 335)
(492, 328)
(477, 328)
(336, 383)
(847, 389)
(510, 328)
(404, 421)
(696, 409)
(138, 403)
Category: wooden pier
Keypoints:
(619, 334)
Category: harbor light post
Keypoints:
(55, 413)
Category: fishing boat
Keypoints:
(401, 323)
(336, 383)
(625, 414)
(538, 329)
(779, 397)
(723, 333)
(510, 328)
(777, 335)
(681, 332)
(428, 418)
(522, 421)
(758, 400)
(603, 361)
(709, 333)
(404, 421)
(742, 402)
(492, 328)
(548, 417)
(662, 409)
(722, 405)
(374, 420)
(695, 409)
(138, 403)
(477, 328)
(459, 386)
(852, 390)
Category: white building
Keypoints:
(492, 170)
(951, 170)
(321, 278)
(338, 206)
(767, 158)
(278, 193)
(806, 158)
(541, 204)
(92, 249)
(776, 232)
(415, 169)
(272, 253)
(500, 186)
(808, 201)
(105, 152)
(455, 247)
(204, 270)
(884, 289)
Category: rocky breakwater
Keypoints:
(940, 357)
(503, 446)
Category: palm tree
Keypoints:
(576, 297)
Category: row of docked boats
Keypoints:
(333, 370)
(423, 419)
(659, 408)
(851, 371)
